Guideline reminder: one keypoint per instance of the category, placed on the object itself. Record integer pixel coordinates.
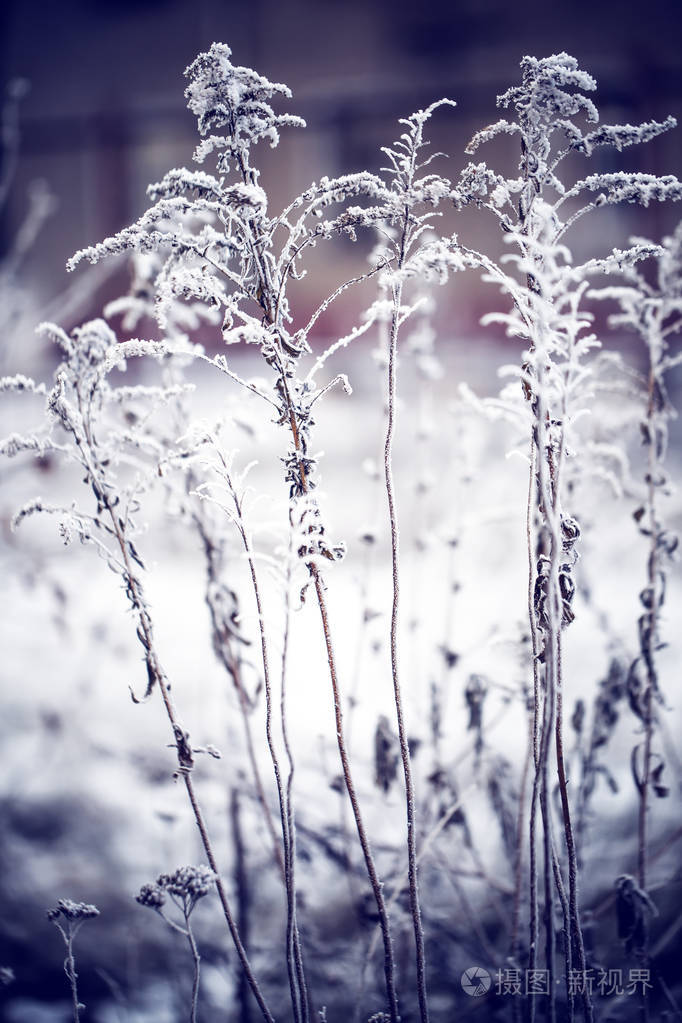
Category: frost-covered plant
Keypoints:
(210, 253)
(547, 293)
(185, 887)
(402, 217)
(182, 319)
(652, 309)
(68, 917)
(103, 430)
(221, 246)
(226, 490)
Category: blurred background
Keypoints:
(105, 113)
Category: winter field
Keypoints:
(340, 667)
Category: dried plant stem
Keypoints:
(566, 928)
(297, 983)
(515, 942)
(555, 466)
(224, 649)
(648, 644)
(545, 813)
(543, 719)
(549, 464)
(222, 895)
(642, 840)
(293, 934)
(395, 572)
(653, 572)
(183, 750)
(243, 899)
(270, 300)
(574, 914)
(389, 962)
(196, 959)
(70, 971)
(538, 702)
(187, 932)
(258, 781)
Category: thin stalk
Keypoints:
(270, 302)
(293, 934)
(648, 644)
(186, 932)
(541, 783)
(222, 895)
(574, 913)
(515, 943)
(566, 928)
(294, 967)
(533, 893)
(548, 862)
(352, 706)
(243, 899)
(389, 961)
(196, 959)
(653, 573)
(70, 971)
(538, 700)
(549, 467)
(555, 625)
(395, 571)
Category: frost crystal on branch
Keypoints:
(546, 103)
(236, 99)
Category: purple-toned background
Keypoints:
(106, 115)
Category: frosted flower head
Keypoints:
(151, 895)
(234, 99)
(186, 886)
(72, 911)
(193, 881)
(93, 341)
(544, 97)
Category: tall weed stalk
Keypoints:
(547, 292)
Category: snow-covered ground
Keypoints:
(90, 804)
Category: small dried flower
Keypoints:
(72, 911)
(194, 882)
(151, 895)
